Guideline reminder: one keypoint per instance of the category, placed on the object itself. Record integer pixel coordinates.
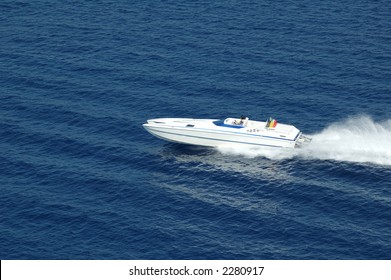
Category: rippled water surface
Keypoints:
(81, 179)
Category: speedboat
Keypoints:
(229, 131)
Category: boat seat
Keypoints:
(245, 122)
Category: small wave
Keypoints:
(356, 139)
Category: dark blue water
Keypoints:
(81, 179)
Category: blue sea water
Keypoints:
(81, 179)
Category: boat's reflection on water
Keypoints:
(225, 160)
(174, 149)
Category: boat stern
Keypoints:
(302, 140)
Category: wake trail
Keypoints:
(356, 139)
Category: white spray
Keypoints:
(357, 139)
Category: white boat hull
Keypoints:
(205, 132)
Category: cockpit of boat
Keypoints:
(232, 122)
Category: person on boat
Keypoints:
(241, 121)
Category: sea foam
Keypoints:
(356, 139)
